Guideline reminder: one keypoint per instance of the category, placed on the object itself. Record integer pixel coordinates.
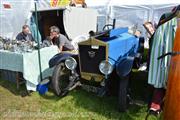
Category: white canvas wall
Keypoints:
(132, 12)
(11, 20)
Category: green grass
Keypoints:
(78, 105)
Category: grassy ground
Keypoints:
(79, 104)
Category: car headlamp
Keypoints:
(71, 63)
(105, 67)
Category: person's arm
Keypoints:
(62, 40)
(60, 48)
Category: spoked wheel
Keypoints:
(122, 94)
(60, 79)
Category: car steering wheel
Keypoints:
(108, 27)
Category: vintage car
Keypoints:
(105, 57)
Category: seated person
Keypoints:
(25, 34)
(58, 39)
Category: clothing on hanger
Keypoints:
(163, 41)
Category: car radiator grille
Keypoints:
(90, 58)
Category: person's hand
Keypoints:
(51, 37)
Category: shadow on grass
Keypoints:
(104, 106)
(139, 85)
(107, 106)
(11, 86)
(50, 96)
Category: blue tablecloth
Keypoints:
(28, 64)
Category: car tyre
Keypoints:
(60, 79)
(122, 94)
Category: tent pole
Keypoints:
(39, 55)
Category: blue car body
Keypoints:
(122, 50)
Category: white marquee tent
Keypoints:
(132, 12)
(126, 12)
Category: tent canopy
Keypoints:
(126, 12)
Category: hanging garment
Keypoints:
(164, 18)
(162, 43)
(36, 34)
(172, 107)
